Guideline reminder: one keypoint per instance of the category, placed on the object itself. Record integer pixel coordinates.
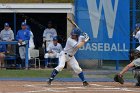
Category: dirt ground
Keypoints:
(66, 87)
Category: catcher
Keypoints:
(135, 61)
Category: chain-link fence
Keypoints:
(134, 18)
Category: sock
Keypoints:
(29, 63)
(46, 62)
(23, 63)
(81, 76)
(54, 73)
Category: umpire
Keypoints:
(22, 36)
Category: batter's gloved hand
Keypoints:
(86, 37)
(119, 78)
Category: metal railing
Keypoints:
(15, 43)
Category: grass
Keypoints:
(32, 74)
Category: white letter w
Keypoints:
(95, 15)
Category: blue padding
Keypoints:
(10, 58)
(63, 79)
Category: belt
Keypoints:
(68, 54)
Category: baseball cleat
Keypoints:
(50, 81)
(85, 83)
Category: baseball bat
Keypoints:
(72, 22)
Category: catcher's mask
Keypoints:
(134, 54)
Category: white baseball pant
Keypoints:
(22, 52)
(72, 62)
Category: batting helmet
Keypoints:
(76, 31)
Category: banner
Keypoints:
(107, 23)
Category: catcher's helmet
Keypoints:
(76, 31)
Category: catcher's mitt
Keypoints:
(118, 78)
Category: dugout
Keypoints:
(37, 16)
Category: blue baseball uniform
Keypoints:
(23, 35)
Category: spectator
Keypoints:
(7, 35)
(22, 36)
(48, 34)
(53, 50)
(2, 54)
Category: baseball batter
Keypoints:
(74, 42)
(48, 34)
(53, 50)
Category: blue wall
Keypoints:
(107, 24)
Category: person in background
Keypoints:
(53, 51)
(136, 34)
(7, 35)
(48, 34)
(31, 41)
(2, 54)
(22, 36)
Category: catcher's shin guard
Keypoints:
(138, 79)
(136, 72)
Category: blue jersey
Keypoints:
(23, 35)
(2, 48)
